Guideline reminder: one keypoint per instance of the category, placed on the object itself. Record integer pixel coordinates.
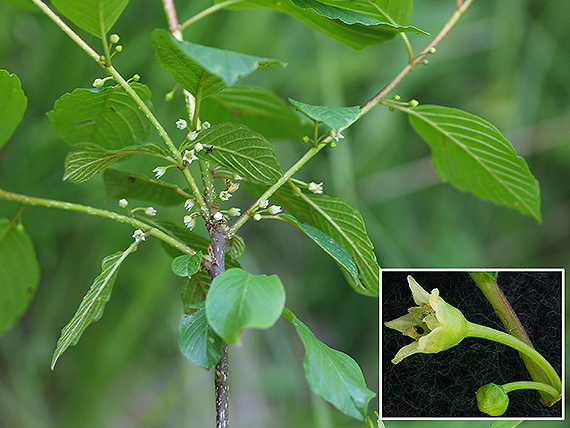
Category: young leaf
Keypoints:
(238, 300)
(119, 184)
(187, 264)
(356, 36)
(197, 341)
(334, 375)
(201, 68)
(335, 117)
(107, 117)
(93, 304)
(241, 150)
(336, 218)
(90, 14)
(471, 154)
(236, 247)
(87, 160)
(327, 243)
(13, 104)
(257, 108)
(19, 273)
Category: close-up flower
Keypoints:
(434, 325)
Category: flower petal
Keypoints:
(406, 351)
(419, 294)
(401, 324)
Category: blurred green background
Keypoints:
(506, 62)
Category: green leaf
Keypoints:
(236, 247)
(393, 19)
(187, 264)
(201, 69)
(327, 243)
(257, 108)
(336, 218)
(238, 300)
(197, 341)
(93, 304)
(119, 184)
(471, 154)
(19, 273)
(13, 104)
(241, 150)
(334, 375)
(506, 424)
(335, 117)
(107, 117)
(87, 160)
(90, 14)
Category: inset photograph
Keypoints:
(472, 344)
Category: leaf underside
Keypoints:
(13, 104)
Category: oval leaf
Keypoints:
(197, 341)
(187, 264)
(327, 243)
(334, 375)
(335, 117)
(90, 14)
(119, 184)
(241, 150)
(13, 104)
(93, 304)
(87, 160)
(107, 117)
(238, 300)
(471, 154)
(19, 273)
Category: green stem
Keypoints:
(68, 206)
(271, 190)
(288, 314)
(483, 332)
(207, 12)
(539, 386)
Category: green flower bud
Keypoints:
(492, 399)
(119, 48)
(114, 38)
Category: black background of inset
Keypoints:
(444, 384)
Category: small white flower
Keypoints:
(181, 124)
(123, 203)
(206, 125)
(225, 195)
(159, 171)
(150, 211)
(189, 204)
(189, 156)
(336, 135)
(316, 188)
(234, 212)
(139, 235)
(257, 217)
(218, 216)
(274, 209)
(189, 221)
(264, 203)
(198, 147)
(193, 135)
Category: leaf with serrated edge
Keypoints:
(473, 155)
(241, 150)
(335, 117)
(197, 341)
(327, 243)
(87, 14)
(336, 218)
(13, 104)
(107, 117)
(334, 375)
(259, 109)
(87, 160)
(238, 300)
(396, 12)
(120, 184)
(19, 273)
(93, 304)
